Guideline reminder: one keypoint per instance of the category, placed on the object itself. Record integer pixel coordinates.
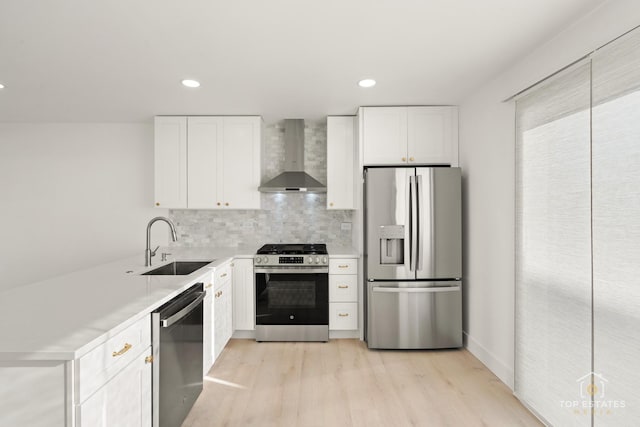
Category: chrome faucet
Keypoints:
(148, 253)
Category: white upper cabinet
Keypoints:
(385, 135)
(204, 154)
(341, 168)
(432, 136)
(217, 165)
(410, 135)
(240, 163)
(170, 157)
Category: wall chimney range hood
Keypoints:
(293, 179)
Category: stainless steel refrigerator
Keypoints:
(413, 257)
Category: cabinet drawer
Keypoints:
(343, 288)
(105, 361)
(222, 274)
(343, 316)
(343, 266)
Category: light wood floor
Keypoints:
(342, 383)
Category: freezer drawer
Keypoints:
(405, 316)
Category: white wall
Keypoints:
(487, 139)
(72, 196)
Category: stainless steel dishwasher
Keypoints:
(176, 333)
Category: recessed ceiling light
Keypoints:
(191, 83)
(1, 86)
(367, 83)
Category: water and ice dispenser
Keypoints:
(391, 244)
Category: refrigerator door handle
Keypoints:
(420, 224)
(413, 224)
(426, 223)
(432, 222)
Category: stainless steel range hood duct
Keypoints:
(293, 179)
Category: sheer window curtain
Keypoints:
(616, 231)
(553, 244)
(578, 241)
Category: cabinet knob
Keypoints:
(330, 204)
(411, 159)
(148, 359)
(404, 159)
(226, 204)
(157, 204)
(218, 203)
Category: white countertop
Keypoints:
(342, 252)
(65, 317)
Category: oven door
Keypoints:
(292, 297)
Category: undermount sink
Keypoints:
(177, 268)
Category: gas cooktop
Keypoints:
(293, 249)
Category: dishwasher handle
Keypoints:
(168, 321)
(416, 290)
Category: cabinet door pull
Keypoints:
(209, 285)
(343, 314)
(343, 286)
(122, 351)
(223, 275)
(343, 266)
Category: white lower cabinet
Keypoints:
(343, 294)
(244, 314)
(124, 401)
(113, 381)
(207, 326)
(222, 308)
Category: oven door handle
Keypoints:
(290, 270)
(165, 323)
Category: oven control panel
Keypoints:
(292, 260)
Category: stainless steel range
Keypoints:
(292, 292)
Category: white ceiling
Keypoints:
(123, 60)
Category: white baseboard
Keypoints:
(344, 334)
(495, 365)
(244, 334)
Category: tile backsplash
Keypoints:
(287, 218)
